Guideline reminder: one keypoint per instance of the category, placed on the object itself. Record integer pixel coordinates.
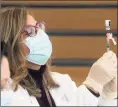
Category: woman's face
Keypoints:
(30, 21)
(36, 43)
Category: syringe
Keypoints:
(109, 35)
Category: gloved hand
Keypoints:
(102, 72)
(110, 90)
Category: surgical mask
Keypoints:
(40, 48)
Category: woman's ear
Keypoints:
(5, 71)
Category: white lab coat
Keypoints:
(68, 94)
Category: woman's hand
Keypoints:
(110, 90)
(103, 71)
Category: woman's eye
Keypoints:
(31, 31)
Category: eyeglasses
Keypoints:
(32, 30)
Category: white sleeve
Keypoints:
(103, 102)
(6, 98)
(82, 95)
(85, 97)
(18, 98)
(70, 94)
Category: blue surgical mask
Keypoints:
(40, 48)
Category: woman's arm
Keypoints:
(102, 72)
(5, 71)
(102, 79)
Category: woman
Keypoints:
(25, 76)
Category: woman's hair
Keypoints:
(12, 23)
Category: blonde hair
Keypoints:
(12, 23)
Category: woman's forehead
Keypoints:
(31, 20)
